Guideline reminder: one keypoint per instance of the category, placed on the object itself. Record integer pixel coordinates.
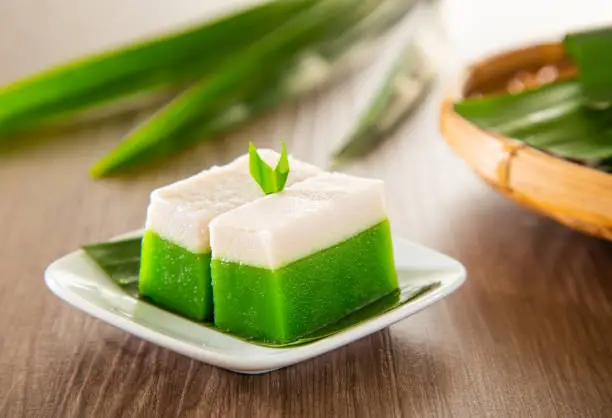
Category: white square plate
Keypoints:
(76, 279)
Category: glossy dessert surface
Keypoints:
(290, 263)
(291, 302)
(175, 269)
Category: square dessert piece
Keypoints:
(175, 264)
(292, 262)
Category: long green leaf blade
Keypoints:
(552, 118)
(166, 60)
(382, 18)
(172, 127)
(394, 99)
(590, 51)
(330, 61)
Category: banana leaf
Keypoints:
(552, 118)
(264, 66)
(120, 260)
(590, 51)
(174, 59)
(394, 99)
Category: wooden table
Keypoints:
(529, 334)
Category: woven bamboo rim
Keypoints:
(575, 195)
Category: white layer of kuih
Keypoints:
(181, 212)
(305, 218)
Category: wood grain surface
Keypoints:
(528, 335)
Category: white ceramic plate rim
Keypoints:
(61, 275)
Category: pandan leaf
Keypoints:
(327, 63)
(176, 126)
(394, 99)
(552, 118)
(590, 51)
(383, 17)
(120, 261)
(269, 180)
(173, 59)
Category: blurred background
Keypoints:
(448, 33)
(527, 335)
(473, 27)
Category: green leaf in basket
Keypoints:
(605, 165)
(394, 98)
(175, 126)
(120, 260)
(552, 118)
(590, 51)
(174, 59)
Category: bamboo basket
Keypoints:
(572, 194)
